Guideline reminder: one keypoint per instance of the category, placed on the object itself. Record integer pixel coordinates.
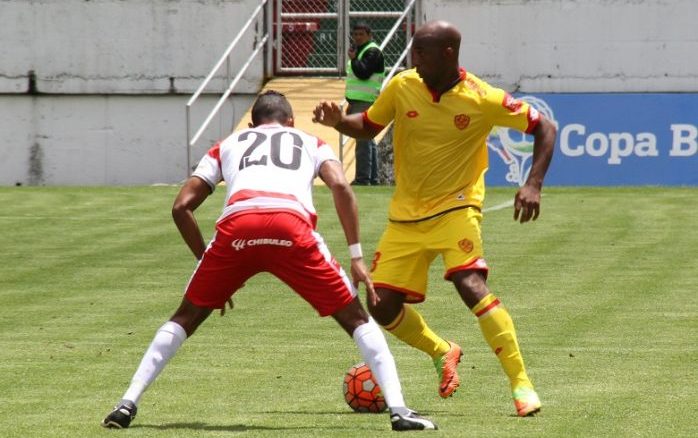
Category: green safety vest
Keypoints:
(364, 90)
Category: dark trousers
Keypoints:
(366, 151)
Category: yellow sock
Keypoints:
(498, 329)
(410, 328)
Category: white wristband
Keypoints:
(355, 251)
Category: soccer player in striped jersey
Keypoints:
(268, 225)
(442, 116)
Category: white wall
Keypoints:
(577, 45)
(117, 46)
(102, 139)
(112, 76)
(111, 81)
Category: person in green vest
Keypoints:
(365, 74)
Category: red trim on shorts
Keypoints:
(477, 264)
(416, 297)
(489, 307)
(312, 221)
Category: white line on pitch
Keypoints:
(501, 206)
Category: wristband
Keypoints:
(355, 251)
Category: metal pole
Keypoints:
(396, 25)
(408, 32)
(278, 35)
(269, 46)
(188, 110)
(419, 18)
(227, 92)
(225, 55)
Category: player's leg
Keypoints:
(461, 239)
(376, 353)
(311, 271)
(404, 322)
(374, 349)
(400, 275)
(215, 279)
(499, 332)
(374, 163)
(362, 149)
(163, 347)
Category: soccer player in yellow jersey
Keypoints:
(442, 116)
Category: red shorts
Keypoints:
(281, 243)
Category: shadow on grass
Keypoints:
(197, 425)
(246, 428)
(204, 426)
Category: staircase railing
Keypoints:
(261, 41)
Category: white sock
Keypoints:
(377, 355)
(165, 344)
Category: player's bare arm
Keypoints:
(527, 199)
(332, 174)
(191, 195)
(330, 114)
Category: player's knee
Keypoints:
(351, 316)
(384, 312)
(190, 316)
(471, 286)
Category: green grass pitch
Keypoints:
(603, 289)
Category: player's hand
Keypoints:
(359, 274)
(527, 203)
(327, 113)
(230, 303)
(351, 53)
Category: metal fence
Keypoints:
(309, 37)
(312, 36)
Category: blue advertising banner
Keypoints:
(606, 140)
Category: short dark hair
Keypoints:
(362, 25)
(271, 106)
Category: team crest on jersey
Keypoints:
(461, 121)
(466, 245)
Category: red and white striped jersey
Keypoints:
(269, 167)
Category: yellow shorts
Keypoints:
(406, 250)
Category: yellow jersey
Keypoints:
(439, 149)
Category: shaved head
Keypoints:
(441, 33)
(435, 49)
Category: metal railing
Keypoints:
(270, 36)
(406, 16)
(263, 41)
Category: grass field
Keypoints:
(603, 289)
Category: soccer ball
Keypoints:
(361, 391)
